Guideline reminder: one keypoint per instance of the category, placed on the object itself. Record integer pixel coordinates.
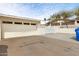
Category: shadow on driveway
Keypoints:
(3, 50)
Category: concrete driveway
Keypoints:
(40, 46)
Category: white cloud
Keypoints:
(19, 10)
(32, 11)
(8, 8)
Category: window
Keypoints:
(7, 22)
(18, 23)
(33, 24)
(26, 23)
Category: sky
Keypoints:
(35, 10)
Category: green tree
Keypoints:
(61, 17)
(76, 13)
(65, 15)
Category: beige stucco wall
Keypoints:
(19, 31)
(56, 29)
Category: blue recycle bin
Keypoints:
(77, 34)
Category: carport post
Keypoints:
(1, 31)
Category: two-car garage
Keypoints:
(16, 26)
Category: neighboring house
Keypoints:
(15, 23)
(70, 23)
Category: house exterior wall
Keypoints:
(10, 26)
